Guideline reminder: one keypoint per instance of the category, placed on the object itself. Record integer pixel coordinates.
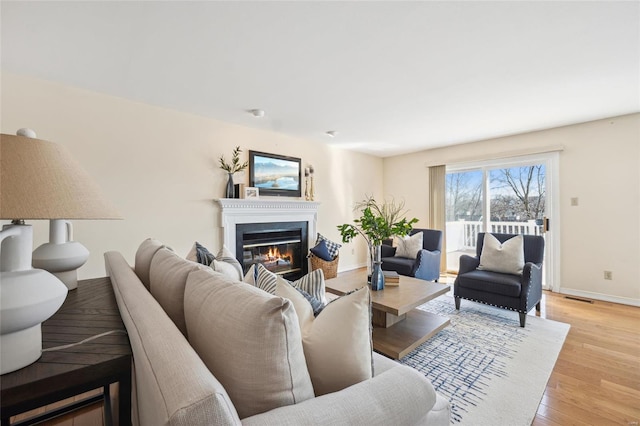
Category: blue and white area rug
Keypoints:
(492, 371)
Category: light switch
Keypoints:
(574, 201)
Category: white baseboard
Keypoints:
(599, 296)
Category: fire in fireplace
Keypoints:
(280, 247)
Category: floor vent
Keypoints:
(579, 299)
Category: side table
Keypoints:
(88, 311)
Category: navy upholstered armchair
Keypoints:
(425, 266)
(518, 293)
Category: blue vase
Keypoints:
(377, 275)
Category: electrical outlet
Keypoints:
(353, 251)
(574, 201)
(608, 275)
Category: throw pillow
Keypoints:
(316, 305)
(249, 340)
(200, 254)
(507, 257)
(313, 283)
(337, 343)
(226, 263)
(261, 277)
(409, 245)
(322, 251)
(331, 246)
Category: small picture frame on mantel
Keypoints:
(251, 192)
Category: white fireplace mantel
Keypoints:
(236, 211)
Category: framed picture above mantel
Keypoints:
(275, 175)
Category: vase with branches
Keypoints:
(234, 166)
(377, 222)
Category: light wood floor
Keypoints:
(596, 379)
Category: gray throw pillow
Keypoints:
(507, 257)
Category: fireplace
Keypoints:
(283, 221)
(281, 247)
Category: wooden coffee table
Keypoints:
(398, 328)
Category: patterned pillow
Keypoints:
(200, 254)
(261, 277)
(312, 283)
(322, 251)
(337, 343)
(316, 304)
(331, 246)
(264, 279)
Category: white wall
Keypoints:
(600, 165)
(159, 168)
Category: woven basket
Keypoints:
(329, 268)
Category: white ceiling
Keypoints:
(390, 77)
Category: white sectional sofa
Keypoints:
(172, 384)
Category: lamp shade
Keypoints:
(40, 180)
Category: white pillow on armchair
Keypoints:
(409, 245)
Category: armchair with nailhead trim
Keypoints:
(518, 293)
(426, 265)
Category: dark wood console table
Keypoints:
(89, 310)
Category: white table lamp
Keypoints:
(38, 180)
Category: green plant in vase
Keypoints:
(377, 222)
(231, 168)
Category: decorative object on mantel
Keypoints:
(378, 222)
(40, 180)
(306, 184)
(311, 192)
(231, 168)
(238, 190)
(275, 175)
(252, 192)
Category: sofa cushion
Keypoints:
(144, 254)
(401, 265)
(250, 340)
(507, 257)
(172, 386)
(168, 276)
(491, 282)
(409, 245)
(337, 343)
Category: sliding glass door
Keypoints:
(464, 212)
(508, 196)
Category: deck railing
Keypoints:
(462, 234)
